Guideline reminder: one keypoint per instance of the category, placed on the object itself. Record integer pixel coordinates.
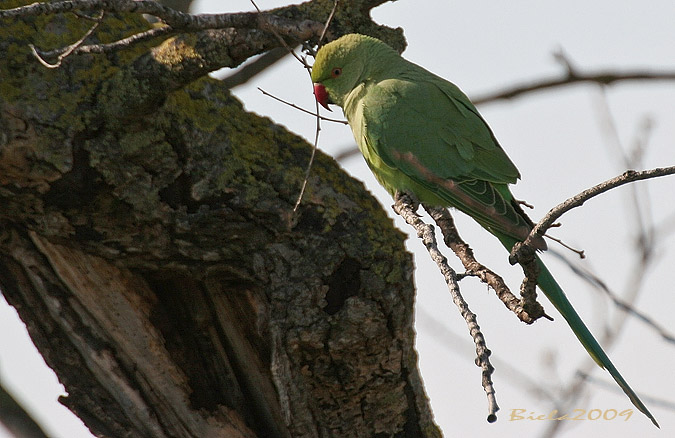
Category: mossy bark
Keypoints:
(149, 243)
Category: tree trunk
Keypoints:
(149, 243)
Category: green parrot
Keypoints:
(421, 135)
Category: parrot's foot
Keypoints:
(522, 254)
(408, 199)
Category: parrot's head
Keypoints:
(345, 63)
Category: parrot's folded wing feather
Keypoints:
(438, 141)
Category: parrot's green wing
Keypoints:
(426, 137)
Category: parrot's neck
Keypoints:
(353, 101)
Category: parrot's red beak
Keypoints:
(322, 96)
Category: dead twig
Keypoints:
(316, 108)
(463, 251)
(328, 21)
(173, 18)
(591, 278)
(405, 207)
(175, 21)
(327, 119)
(603, 77)
(520, 251)
(283, 42)
(523, 252)
(121, 44)
(644, 250)
(63, 53)
(450, 341)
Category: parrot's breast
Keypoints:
(389, 177)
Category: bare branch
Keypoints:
(63, 53)
(347, 153)
(580, 252)
(643, 254)
(330, 18)
(571, 78)
(299, 30)
(308, 68)
(591, 278)
(405, 207)
(344, 122)
(175, 19)
(123, 43)
(311, 160)
(522, 254)
(450, 341)
(611, 386)
(284, 44)
(528, 287)
(452, 239)
(579, 199)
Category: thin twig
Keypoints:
(591, 278)
(308, 68)
(579, 199)
(283, 41)
(311, 161)
(403, 206)
(665, 227)
(124, 43)
(84, 16)
(452, 239)
(606, 77)
(330, 18)
(639, 207)
(450, 341)
(316, 111)
(523, 252)
(344, 122)
(611, 386)
(66, 51)
(643, 258)
(347, 153)
(175, 21)
(580, 252)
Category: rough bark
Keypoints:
(147, 240)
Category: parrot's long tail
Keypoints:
(555, 294)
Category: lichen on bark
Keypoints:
(152, 249)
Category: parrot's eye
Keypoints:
(337, 71)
